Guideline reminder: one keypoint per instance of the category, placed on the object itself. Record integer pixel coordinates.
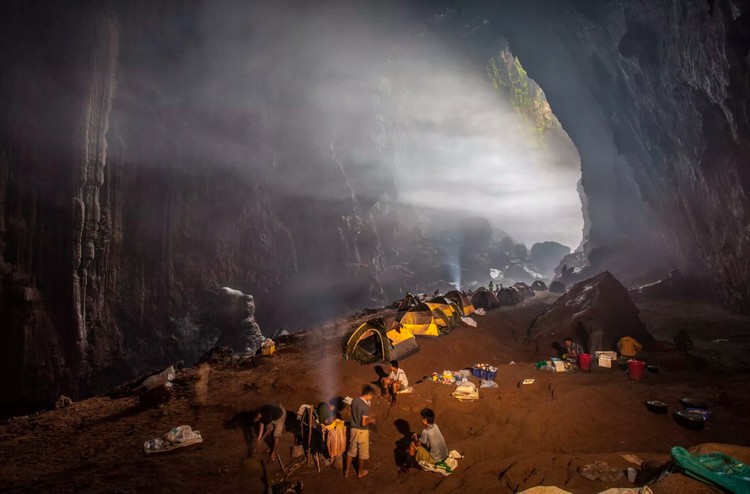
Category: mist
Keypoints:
(369, 93)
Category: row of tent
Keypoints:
(507, 296)
(393, 337)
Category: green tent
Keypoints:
(372, 342)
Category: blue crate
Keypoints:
(490, 375)
(476, 372)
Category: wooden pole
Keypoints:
(283, 470)
(309, 436)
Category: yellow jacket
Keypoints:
(628, 346)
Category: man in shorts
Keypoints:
(270, 419)
(430, 446)
(359, 434)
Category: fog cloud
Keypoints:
(337, 85)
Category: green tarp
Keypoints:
(714, 468)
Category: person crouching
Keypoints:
(395, 382)
(429, 446)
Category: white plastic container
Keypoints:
(605, 358)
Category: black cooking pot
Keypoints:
(652, 368)
(656, 406)
(689, 420)
(694, 403)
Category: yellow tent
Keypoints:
(449, 308)
(462, 300)
(422, 320)
(371, 342)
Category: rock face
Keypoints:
(133, 185)
(546, 256)
(655, 97)
(596, 313)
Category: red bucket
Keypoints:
(584, 362)
(636, 369)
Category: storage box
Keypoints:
(605, 358)
(483, 374)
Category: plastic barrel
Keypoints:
(636, 369)
(584, 362)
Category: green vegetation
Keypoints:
(508, 75)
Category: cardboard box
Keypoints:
(559, 365)
(605, 358)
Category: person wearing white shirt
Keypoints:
(395, 381)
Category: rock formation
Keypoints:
(239, 331)
(596, 313)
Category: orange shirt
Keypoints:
(628, 346)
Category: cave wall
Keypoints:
(126, 202)
(655, 96)
(120, 220)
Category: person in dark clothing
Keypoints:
(572, 349)
(682, 341)
(269, 419)
(327, 412)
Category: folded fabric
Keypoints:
(179, 437)
(469, 322)
(445, 467)
(336, 438)
(466, 391)
(406, 390)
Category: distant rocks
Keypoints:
(547, 255)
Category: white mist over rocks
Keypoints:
(353, 76)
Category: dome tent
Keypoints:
(371, 342)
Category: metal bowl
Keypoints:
(689, 420)
(656, 406)
(694, 403)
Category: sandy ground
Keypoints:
(514, 437)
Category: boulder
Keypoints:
(63, 402)
(596, 313)
(239, 331)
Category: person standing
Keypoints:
(682, 341)
(359, 434)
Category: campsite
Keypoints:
(515, 437)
